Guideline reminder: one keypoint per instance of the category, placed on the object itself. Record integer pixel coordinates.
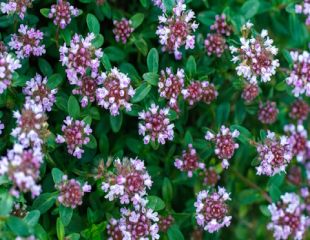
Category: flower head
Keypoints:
(198, 91)
(75, 135)
(80, 57)
(16, 6)
(71, 192)
(1, 127)
(299, 110)
(177, 30)
(155, 125)
(304, 9)
(7, 67)
(210, 176)
(165, 222)
(287, 219)
(122, 30)
(28, 42)
(268, 112)
(116, 92)
(113, 230)
(22, 166)
(274, 154)
(250, 92)
(62, 12)
(225, 144)
(299, 77)
(189, 162)
(170, 86)
(215, 44)
(129, 182)
(255, 56)
(220, 26)
(36, 89)
(212, 210)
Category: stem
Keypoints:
(252, 185)
(57, 37)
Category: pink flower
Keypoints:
(75, 135)
(1, 127)
(80, 57)
(220, 25)
(212, 210)
(16, 6)
(225, 144)
(22, 166)
(189, 162)
(268, 112)
(155, 125)
(129, 182)
(299, 110)
(113, 230)
(122, 30)
(177, 30)
(255, 56)
(210, 176)
(116, 92)
(28, 42)
(215, 44)
(62, 12)
(287, 219)
(170, 86)
(71, 192)
(299, 77)
(304, 9)
(7, 67)
(250, 92)
(274, 155)
(165, 222)
(36, 89)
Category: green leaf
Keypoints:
(136, 20)
(57, 175)
(86, 1)
(98, 41)
(60, 229)
(114, 53)
(116, 122)
(222, 113)
(18, 226)
(106, 10)
(6, 203)
(45, 67)
(250, 8)
(207, 17)
(167, 190)
(152, 60)
(92, 23)
(44, 202)
(145, 3)
(281, 86)
(142, 46)
(288, 57)
(106, 62)
(191, 67)
(54, 80)
(275, 193)
(65, 214)
(73, 107)
(264, 210)
(92, 144)
(169, 4)
(45, 12)
(174, 233)
(32, 218)
(141, 92)
(151, 78)
(276, 180)
(155, 203)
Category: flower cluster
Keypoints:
(250, 92)
(299, 110)
(7, 67)
(198, 91)
(155, 125)
(304, 9)
(37, 90)
(215, 43)
(225, 144)
(122, 30)
(298, 140)
(305, 193)
(160, 4)
(268, 112)
(210, 177)
(189, 161)
(129, 181)
(299, 77)
(287, 219)
(62, 13)
(116, 92)
(22, 166)
(274, 154)
(16, 6)
(255, 56)
(28, 42)
(165, 222)
(177, 30)
(75, 135)
(170, 86)
(80, 57)
(212, 210)
(294, 175)
(1, 127)
(71, 192)
(31, 129)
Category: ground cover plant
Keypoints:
(154, 119)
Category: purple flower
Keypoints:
(28, 42)
(122, 30)
(304, 9)
(268, 112)
(1, 127)
(16, 6)
(7, 67)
